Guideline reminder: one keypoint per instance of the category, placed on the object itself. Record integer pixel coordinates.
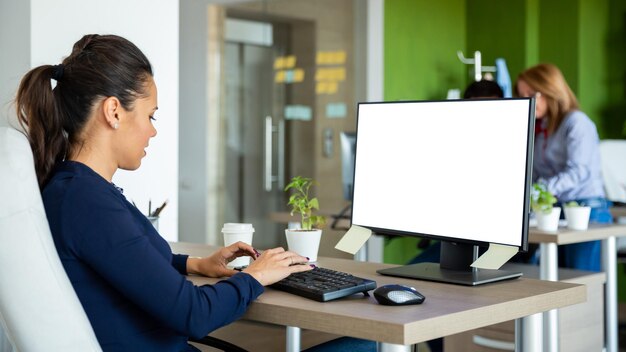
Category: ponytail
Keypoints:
(39, 114)
(99, 66)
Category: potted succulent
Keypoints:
(305, 240)
(542, 204)
(577, 216)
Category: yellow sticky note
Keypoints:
(279, 63)
(339, 57)
(321, 88)
(279, 77)
(340, 74)
(321, 74)
(290, 61)
(354, 239)
(331, 87)
(495, 257)
(298, 75)
(320, 57)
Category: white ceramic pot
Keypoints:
(548, 221)
(577, 217)
(304, 242)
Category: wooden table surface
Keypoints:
(448, 309)
(566, 236)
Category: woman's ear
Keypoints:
(112, 108)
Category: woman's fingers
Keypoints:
(300, 268)
(239, 249)
(276, 264)
(291, 258)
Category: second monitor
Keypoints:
(458, 171)
(348, 149)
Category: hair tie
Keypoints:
(57, 72)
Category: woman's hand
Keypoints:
(276, 264)
(215, 264)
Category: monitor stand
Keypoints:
(455, 268)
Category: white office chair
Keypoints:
(39, 309)
(613, 157)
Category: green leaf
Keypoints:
(300, 202)
(541, 199)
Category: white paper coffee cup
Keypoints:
(235, 232)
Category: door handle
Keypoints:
(269, 145)
(268, 153)
(281, 154)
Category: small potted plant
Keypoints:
(542, 204)
(305, 240)
(577, 216)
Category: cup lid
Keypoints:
(237, 227)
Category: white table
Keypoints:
(548, 246)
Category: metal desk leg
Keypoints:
(528, 333)
(549, 270)
(390, 347)
(609, 266)
(293, 339)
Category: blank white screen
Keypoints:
(452, 169)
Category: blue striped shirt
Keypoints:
(568, 161)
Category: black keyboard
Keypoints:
(324, 284)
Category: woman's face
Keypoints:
(524, 90)
(136, 129)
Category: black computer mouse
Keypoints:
(398, 295)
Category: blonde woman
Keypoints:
(567, 154)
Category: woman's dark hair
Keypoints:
(483, 89)
(99, 66)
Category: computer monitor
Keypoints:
(348, 149)
(458, 171)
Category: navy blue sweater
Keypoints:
(131, 286)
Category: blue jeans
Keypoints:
(344, 344)
(431, 254)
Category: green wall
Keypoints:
(421, 41)
(614, 114)
(559, 37)
(531, 33)
(592, 89)
(497, 29)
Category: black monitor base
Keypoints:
(433, 272)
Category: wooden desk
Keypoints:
(448, 309)
(548, 242)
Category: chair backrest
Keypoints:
(39, 309)
(613, 155)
